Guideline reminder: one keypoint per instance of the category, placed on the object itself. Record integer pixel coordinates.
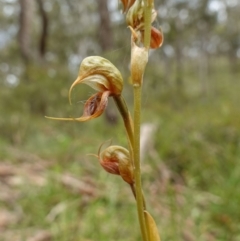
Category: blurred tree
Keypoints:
(105, 37)
(205, 22)
(104, 30)
(25, 22)
(232, 34)
(44, 32)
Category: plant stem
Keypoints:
(122, 107)
(134, 133)
(136, 156)
(148, 5)
(134, 194)
(133, 190)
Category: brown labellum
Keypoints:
(92, 104)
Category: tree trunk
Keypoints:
(105, 37)
(44, 32)
(25, 20)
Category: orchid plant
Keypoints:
(106, 79)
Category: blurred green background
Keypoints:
(51, 189)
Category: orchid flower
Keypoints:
(105, 78)
(116, 160)
(135, 20)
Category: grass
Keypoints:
(190, 176)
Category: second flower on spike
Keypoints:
(116, 160)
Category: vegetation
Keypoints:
(190, 175)
(50, 188)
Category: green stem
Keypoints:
(134, 194)
(136, 157)
(148, 5)
(134, 142)
(122, 107)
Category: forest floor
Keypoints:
(51, 189)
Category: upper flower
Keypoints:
(101, 75)
(135, 20)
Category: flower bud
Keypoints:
(116, 160)
(100, 74)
